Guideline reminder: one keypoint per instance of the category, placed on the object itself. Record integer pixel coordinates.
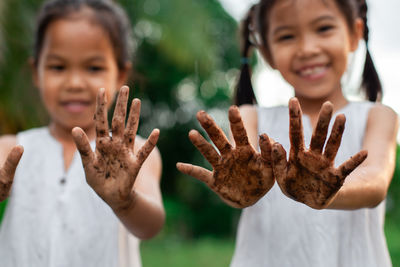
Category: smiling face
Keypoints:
(76, 60)
(309, 42)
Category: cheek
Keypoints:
(341, 55)
(281, 60)
(48, 82)
(48, 98)
(107, 81)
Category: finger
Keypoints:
(237, 127)
(83, 146)
(320, 132)
(146, 149)
(279, 162)
(197, 172)
(118, 121)
(100, 117)
(296, 127)
(205, 148)
(214, 132)
(132, 124)
(348, 166)
(11, 163)
(333, 144)
(265, 147)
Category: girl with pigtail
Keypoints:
(328, 203)
(79, 193)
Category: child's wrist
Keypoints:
(126, 206)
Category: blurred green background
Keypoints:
(186, 59)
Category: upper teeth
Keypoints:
(312, 71)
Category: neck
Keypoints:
(64, 136)
(312, 106)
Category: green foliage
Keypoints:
(392, 223)
(3, 206)
(184, 63)
(19, 102)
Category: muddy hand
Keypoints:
(240, 175)
(111, 170)
(310, 176)
(7, 171)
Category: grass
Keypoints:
(213, 252)
(210, 252)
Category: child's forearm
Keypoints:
(366, 187)
(144, 218)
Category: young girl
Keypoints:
(341, 223)
(54, 217)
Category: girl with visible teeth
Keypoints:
(54, 216)
(327, 206)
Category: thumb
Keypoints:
(83, 146)
(279, 163)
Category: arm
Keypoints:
(117, 171)
(368, 184)
(146, 216)
(10, 154)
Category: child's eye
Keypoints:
(285, 37)
(56, 67)
(95, 68)
(325, 28)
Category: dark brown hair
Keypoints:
(255, 24)
(107, 14)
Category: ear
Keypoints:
(357, 34)
(123, 74)
(34, 70)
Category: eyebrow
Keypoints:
(95, 58)
(53, 56)
(315, 21)
(57, 57)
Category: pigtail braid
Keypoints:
(244, 93)
(370, 79)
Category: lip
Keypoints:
(313, 72)
(75, 106)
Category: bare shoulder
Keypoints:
(382, 115)
(250, 120)
(249, 115)
(382, 123)
(7, 142)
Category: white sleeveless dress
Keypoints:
(53, 217)
(280, 232)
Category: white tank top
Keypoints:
(280, 232)
(54, 218)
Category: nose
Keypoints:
(308, 46)
(75, 81)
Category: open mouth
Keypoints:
(313, 73)
(75, 106)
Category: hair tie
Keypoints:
(244, 60)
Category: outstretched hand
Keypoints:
(240, 175)
(111, 170)
(7, 171)
(310, 176)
